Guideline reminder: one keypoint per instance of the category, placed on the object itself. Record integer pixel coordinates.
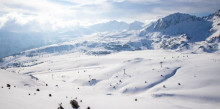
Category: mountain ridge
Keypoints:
(178, 31)
(10, 33)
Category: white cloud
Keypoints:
(38, 7)
(56, 14)
(146, 1)
(88, 2)
(34, 23)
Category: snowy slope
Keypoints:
(184, 32)
(212, 42)
(121, 70)
(16, 38)
(215, 18)
(183, 28)
(180, 32)
(196, 29)
(157, 79)
(136, 25)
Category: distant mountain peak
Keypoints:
(136, 25)
(114, 21)
(173, 19)
(214, 15)
(137, 22)
(195, 28)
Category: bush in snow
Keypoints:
(74, 104)
(114, 87)
(164, 86)
(135, 99)
(161, 64)
(8, 85)
(60, 106)
(50, 95)
(88, 108)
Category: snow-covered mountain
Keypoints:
(109, 26)
(114, 25)
(149, 68)
(197, 29)
(180, 32)
(212, 42)
(177, 31)
(183, 31)
(16, 38)
(136, 25)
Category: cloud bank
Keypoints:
(49, 15)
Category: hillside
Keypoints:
(172, 63)
(179, 32)
(154, 78)
(16, 38)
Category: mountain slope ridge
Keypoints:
(178, 31)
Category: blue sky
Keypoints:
(54, 14)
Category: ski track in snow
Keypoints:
(164, 78)
(105, 70)
(137, 71)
